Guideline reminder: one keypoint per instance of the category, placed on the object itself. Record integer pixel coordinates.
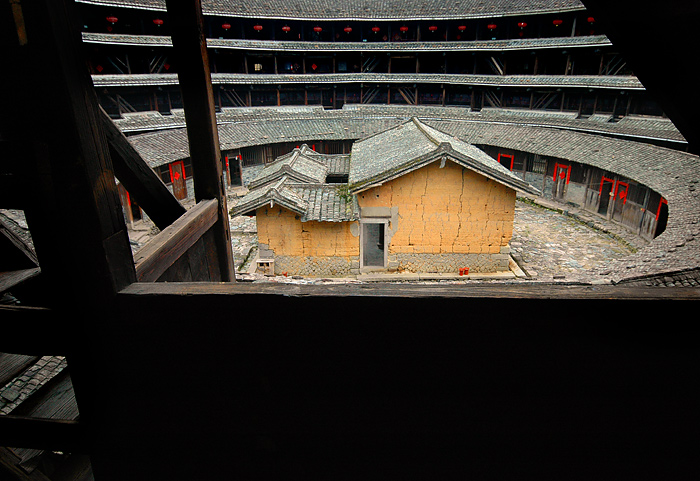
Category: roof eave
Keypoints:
(443, 151)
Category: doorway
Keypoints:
(562, 174)
(606, 190)
(177, 177)
(373, 244)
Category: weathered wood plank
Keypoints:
(534, 292)
(161, 252)
(139, 179)
(11, 365)
(9, 239)
(49, 434)
(35, 331)
(10, 466)
(194, 76)
(10, 279)
(67, 157)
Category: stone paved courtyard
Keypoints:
(547, 244)
(550, 244)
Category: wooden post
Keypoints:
(68, 161)
(190, 50)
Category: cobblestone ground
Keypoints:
(554, 245)
(547, 243)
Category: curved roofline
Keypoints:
(618, 82)
(342, 46)
(669, 172)
(158, 5)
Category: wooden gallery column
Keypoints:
(190, 53)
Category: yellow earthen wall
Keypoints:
(286, 235)
(446, 210)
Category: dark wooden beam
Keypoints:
(67, 157)
(190, 53)
(340, 382)
(11, 469)
(45, 434)
(161, 252)
(139, 179)
(49, 334)
(73, 208)
(525, 291)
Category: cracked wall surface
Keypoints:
(446, 210)
(441, 217)
(285, 234)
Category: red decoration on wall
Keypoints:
(286, 29)
(404, 29)
(112, 19)
(491, 26)
(557, 22)
(226, 26)
(462, 28)
(591, 20)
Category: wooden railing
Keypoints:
(183, 250)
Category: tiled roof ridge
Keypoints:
(300, 45)
(361, 10)
(629, 82)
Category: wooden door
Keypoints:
(620, 199)
(177, 177)
(562, 174)
(606, 191)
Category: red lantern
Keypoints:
(318, 29)
(112, 19)
(491, 26)
(375, 29)
(404, 29)
(347, 29)
(591, 20)
(226, 26)
(432, 28)
(522, 24)
(462, 28)
(286, 29)
(158, 21)
(557, 22)
(257, 28)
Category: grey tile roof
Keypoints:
(313, 202)
(274, 193)
(555, 81)
(412, 145)
(629, 127)
(672, 173)
(246, 127)
(300, 46)
(296, 180)
(327, 202)
(363, 9)
(301, 164)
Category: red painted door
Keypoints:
(177, 177)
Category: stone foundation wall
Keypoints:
(451, 263)
(317, 266)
